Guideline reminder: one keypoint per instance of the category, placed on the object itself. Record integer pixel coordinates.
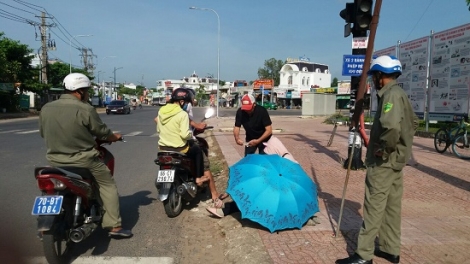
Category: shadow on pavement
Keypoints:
(99, 240)
(351, 219)
(447, 178)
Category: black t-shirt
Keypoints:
(255, 124)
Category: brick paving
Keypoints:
(436, 200)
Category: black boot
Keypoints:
(354, 259)
(395, 259)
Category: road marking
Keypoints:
(9, 131)
(154, 135)
(109, 260)
(135, 133)
(28, 132)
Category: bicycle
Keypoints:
(461, 146)
(445, 136)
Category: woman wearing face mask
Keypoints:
(174, 131)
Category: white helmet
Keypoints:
(386, 64)
(75, 81)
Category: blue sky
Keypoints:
(164, 39)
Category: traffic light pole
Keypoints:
(355, 142)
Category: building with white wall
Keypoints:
(298, 76)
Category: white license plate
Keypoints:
(166, 176)
(47, 205)
(114, 110)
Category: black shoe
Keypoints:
(391, 258)
(122, 233)
(354, 259)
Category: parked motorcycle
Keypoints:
(70, 207)
(176, 178)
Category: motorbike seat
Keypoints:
(72, 172)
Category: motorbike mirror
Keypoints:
(209, 113)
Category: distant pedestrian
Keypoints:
(256, 122)
(389, 149)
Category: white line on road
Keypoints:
(154, 135)
(9, 131)
(135, 133)
(109, 260)
(28, 132)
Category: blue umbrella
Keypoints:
(272, 191)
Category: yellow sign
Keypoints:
(325, 90)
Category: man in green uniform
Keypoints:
(68, 126)
(389, 149)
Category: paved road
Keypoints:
(155, 235)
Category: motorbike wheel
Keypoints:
(57, 246)
(174, 203)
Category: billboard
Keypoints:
(266, 83)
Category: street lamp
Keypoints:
(70, 48)
(218, 50)
(114, 83)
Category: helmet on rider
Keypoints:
(384, 69)
(181, 94)
(386, 64)
(77, 82)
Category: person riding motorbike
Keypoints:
(68, 126)
(174, 131)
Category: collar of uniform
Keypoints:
(386, 88)
(68, 96)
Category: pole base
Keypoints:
(357, 163)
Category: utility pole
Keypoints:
(360, 14)
(44, 48)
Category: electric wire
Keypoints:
(419, 20)
(17, 8)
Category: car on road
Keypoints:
(268, 105)
(118, 107)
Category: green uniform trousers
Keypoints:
(382, 212)
(108, 190)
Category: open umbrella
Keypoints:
(272, 191)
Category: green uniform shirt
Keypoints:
(68, 126)
(393, 129)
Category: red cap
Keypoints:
(247, 102)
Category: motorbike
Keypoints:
(176, 178)
(70, 207)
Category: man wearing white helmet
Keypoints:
(389, 149)
(69, 127)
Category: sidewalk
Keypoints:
(436, 201)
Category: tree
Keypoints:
(200, 93)
(271, 70)
(334, 83)
(57, 71)
(468, 4)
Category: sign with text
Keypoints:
(352, 65)
(7, 87)
(360, 42)
(265, 83)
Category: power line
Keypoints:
(425, 10)
(16, 18)
(28, 5)
(17, 8)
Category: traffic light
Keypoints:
(363, 15)
(348, 15)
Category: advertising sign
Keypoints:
(344, 87)
(413, 56)
(450, 74)
(352, 65)
(265, 83)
